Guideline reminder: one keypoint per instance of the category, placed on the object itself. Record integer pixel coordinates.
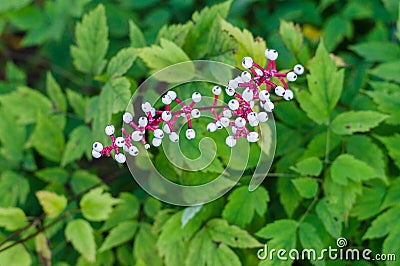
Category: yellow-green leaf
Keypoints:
(51, 203)
(12, 218)
(96, 205)
(80, 234)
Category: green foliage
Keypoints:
(68, 68)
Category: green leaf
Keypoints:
(77, 145)
(143, 248)
(78, 103)
(121, 62)
(12, 218)
(12, 137)
(387, 71)
(51, 203)
(335, 30)
(288, 195)
(310, 240)
(175, 33)
(127, 209)
(392, 144)
(347, 167)
(325, 84)
(24, 103)
(281, 235)
(167, 54)
(356, 121)
(307, 187)
(136, 35)
(47, 138)
(82, 180)
(152, 206)
(199, 38)
(291, 36)
(377, 51)
(391, 245)
(189, 213)
(13, 188)
(43, 249)
(384, 223)
(53, 175)
(330, 216)
(393, 194)
(55, 93)
(248, 45)
(92, 42)
(8, 5)
(97, 205)
(241, 212)
(15, 256)
(388, 103)
(120, 234)
(310, 166)
(80, 234)
(231, 235)
(203, 251)
(369, 203)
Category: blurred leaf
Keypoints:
(310, 166)
(383, 224)
(388, 103)
(127, 209)
(357, 10)
(51, 203)
(175, 33)
(53, 175)
(310, 239)
(356, 121)
(7, 5)
(121, 62)
(82, 180)
(189, 213)
(13, 188)
(391, 244)
(97, 205)
(291, 36)
(47, 138)
(17, 255)
(393, 194)
(80, 234)
(392, 144)
(231, 235)
(198, 39)
(122, 233)
(347, 167)
(12, 218)
(387, 71)
(143, 248)
(92, 42)
(377, 51)
(152, 206)
(307, 187)
(288, 195)
(77, 145)
(368, 204)
(335, 30)
(43, 249)
(12, 137)
(55, 93)
(248, 45)
(325, 85)
(136, 36)
(78, 102)
(241, 212)
(330, 217)
(24, 104)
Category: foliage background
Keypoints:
(336, 170)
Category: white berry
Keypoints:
(172, 95)
(196, 97)
(288, 95)
(158, 133)
(291, 76)
(240, 122)
(252, 116)
(247, 95)
(97, 146)
(190, 134)
(259, 72)
(254, 123)
(211, 127)
(252, 137)
(271, 54)
(166, 99)
(156, 142)
(262, 117)
(247, 62)
(230, 91)
(120, 141)
(133, 151)
(174, 137)
(166, 128)
(166, 116)
(143, 121)
(234, 129)
(216, 90)
(195, 113)
(246, 76)
(279, 90)
(110, 130)
(264, 95)
(147, 146)
(219, 125)
(227, 113)
(137, 135)
(233, 83)
(233, 104)
(146, 107)
(268, 106)
(224, 121)
(96, 154)
(120, 158)
(298, 69)
(127, 117)
(230, 141)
